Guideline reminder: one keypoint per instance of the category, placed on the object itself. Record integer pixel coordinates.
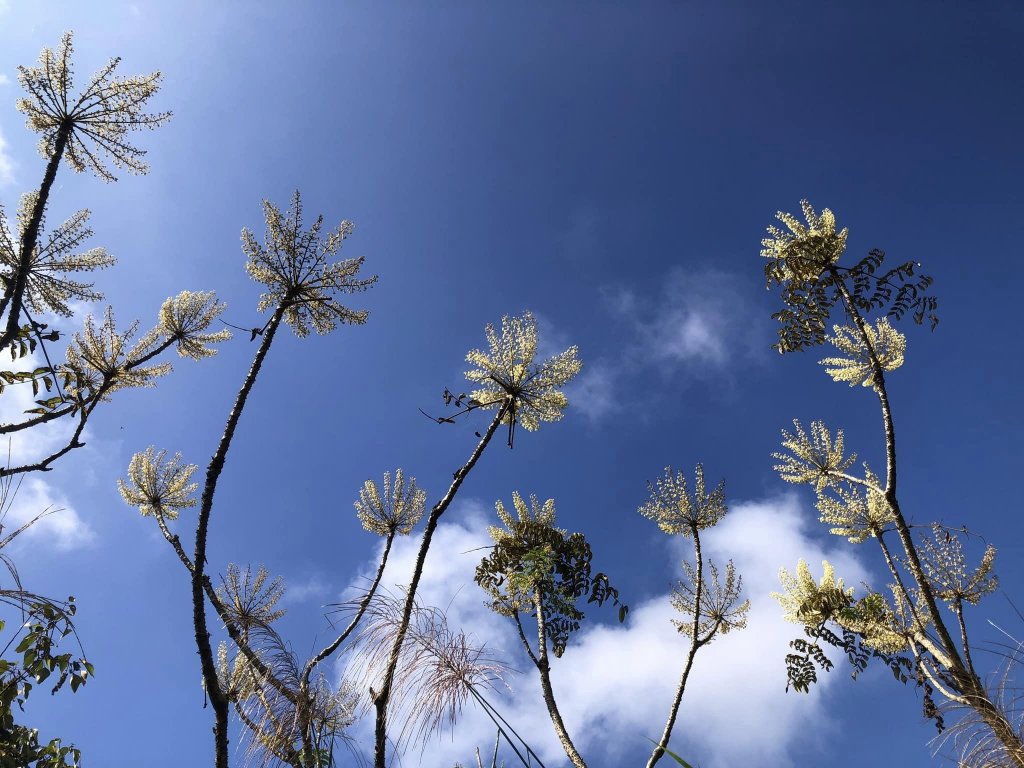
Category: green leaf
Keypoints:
(673, 755)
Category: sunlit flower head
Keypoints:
(294, 265)
(720, 609)
(676, 510)
(801, 251)
(95, 121)
(815, 459)
(805, 601)
(101, 356)
(855, 512)
(48, 288)
(159, 485)
(186, 317)
(396, 508)
(508, 377)
(855, 367)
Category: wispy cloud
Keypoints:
(615, 682)
(4, 79)
(6, 164)
(593, 391)
(312, 588)
(61, 526)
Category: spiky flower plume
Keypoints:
(802, 251)
(96, 121)
(815, 459)
(159, 485)
(295, 267)
(676, 510)
(854, 511)
(99, 357)
(720, 609)
(508, 377)
(887, 345)
(944, 562)
(186, 318)
(396, 508)
(805, 601)
(47, 287)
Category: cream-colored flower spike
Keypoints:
(802, 251)
(535, 512)
(508, 377)
(48, 289)
(676, 510)
(395, 510)
(102, 356)
(295, 267)
(186, 317)
(805, 601)
(855, 512)
(95, 121)
(157, 484)
(814, 459)
(888, 345)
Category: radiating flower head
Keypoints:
(675, 510)
(946, 566)
(395, 510)
(721, 609)
(186, 317)
(805, 251)
(48, 289)
(887, 344)
(96, 120)
(508, 377)
(855, 512)
(814, 458)
(294, 265)
(158, 484)
(99, 356)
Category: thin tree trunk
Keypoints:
(695, 645)
(382, 697)
(217, 697)
(544, 667)
(14, 293)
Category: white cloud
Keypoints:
(698, 319)
(615, 682)
(312, 588)
(4, 79)
(6, 164)
(593, 391)
(61, 527)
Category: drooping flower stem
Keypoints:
(383, 696)
(14, 292)
(218, 699)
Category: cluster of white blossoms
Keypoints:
(95, 121)
(158, 484)
(508, 378)
(535, 513)
(676, 510)
(101, 357)
(806, 601)
(186, 317)
(884, 343)
(804, 251)
(295, 267)
(394, 509)
(856, 512)
(47, 287)
(815, 459)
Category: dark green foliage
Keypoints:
(809, 301)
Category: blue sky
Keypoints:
(611, 168)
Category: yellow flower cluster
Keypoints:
(294, 265)
(98, 118)
(186, 317)
(884, 343)
(158, 484)
(805, 601)
(394, 509)
(676, 511)
(801, 251)
(540, 514)
(508, 377)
